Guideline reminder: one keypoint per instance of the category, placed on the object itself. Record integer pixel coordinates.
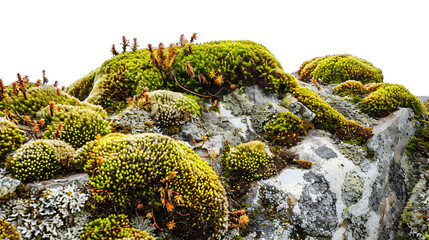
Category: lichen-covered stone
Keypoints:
(352, 188)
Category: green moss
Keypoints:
(387, 98)
(86, 158)
(340, 68)
(37, 98)
(113, 227)
(247, 160)
(40, 160)
(78, 125)
(11, 138)
(8, 231)
(82, 87)
(420, 142)
(286, 129)
(169, 108)
(155, 170)
(238, 62)
(330, 119)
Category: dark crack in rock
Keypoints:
(326, 152)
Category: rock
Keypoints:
(8, 185)
(298, 108)
(316, 209)
(326, 152)
(78, 180)
(352, 188)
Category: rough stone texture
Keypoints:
(79, 180)
(352, 188)
(326, 152)
(8, 185)
(298, 108)
(316, 210)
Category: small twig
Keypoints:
(199, 95)
(154, 222)
(423, 213)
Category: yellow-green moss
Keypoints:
(112, 227)
(131, 170)
(11, 138)
(248, 160)
(8, 231)
(79, 125)
(350, 87)
(286, 129)
(40, 160)
(82, 87)
(170, 108)
(37, 98)
(340, 68)
(330, 119)
(387, 98)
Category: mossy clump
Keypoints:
(112, 227)
(40, 160)
(11, 138)
(386, 98)
(217, 68)
(166, 177)
(86, 158)
(250, 161)
(286, 129)
(8, 231)
(82, 87)
(340, 68)
(75, 125)
(350, 88)
(37, 98)
(420, 142)
(169, 108)
(330, 119)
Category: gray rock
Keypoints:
(8, 185)
(298, 108)
(352, 188)
(316, 210)
(326, 152)
(78, 180)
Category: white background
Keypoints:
(71, 38)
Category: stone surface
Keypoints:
(352, 188)
(326, 152)
(8, 185)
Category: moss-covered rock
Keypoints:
(75, 125)
(216, 67)
(166, 177)
(8, 231)
(386, 98)
(419, 144)
(339, 68)
(330, 119)
(11, 138)
(169, 108)
(286, 129)
(113, 227)
(40, 160)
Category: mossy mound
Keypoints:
(169, 108)
(420, 142)
(170, 181)
(36, 99)
(330, 119)
(8, 231)
(216, 66)
(40, 160)
(350, 88)
(11, 138)
(86, 158)
(386, 98)
(250, 161)
(75, 125)
(286, 129)
(82, 87)
(339, 68)
(113, 227)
